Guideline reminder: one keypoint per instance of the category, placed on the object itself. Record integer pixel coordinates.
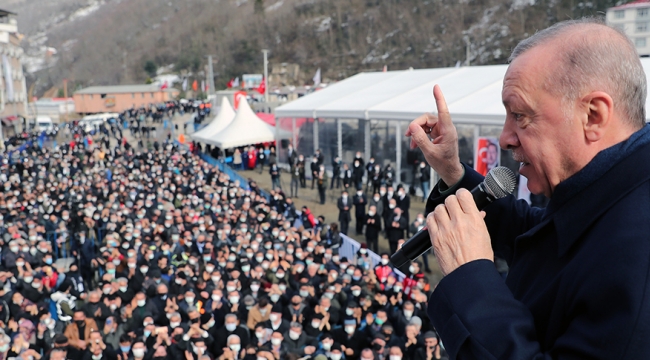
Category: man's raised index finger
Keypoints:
(441, 105)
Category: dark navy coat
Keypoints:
(579, 273)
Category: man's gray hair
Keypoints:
(231, 337)
(609, 63)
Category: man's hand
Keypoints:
(436, 136)
(458, 233)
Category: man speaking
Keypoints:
(579, 270)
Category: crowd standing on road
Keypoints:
(128, 253)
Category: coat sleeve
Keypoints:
(476, 329)
(506, 218)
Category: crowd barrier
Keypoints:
(63, 250)
(350, 247)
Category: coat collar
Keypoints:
(581, 199)
(575, 215)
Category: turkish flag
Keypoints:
(164, 86)
(195, 85)
(229, 84)
(262, 88)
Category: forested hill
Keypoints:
(109, 41)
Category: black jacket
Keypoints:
(579, 269)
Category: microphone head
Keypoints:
(500, 182)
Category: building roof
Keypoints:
(119, 89)
(4, 13)
(631, 5)
(473, 95)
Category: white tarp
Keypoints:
(473, 95)
(245, 129)
(221, 121)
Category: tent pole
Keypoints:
(366, 140)
(315, 135)
(339, 138)
(294, 136)
(398, 148)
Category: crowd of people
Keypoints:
(120, 253)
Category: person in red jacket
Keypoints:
(383, 270)
(411, 281)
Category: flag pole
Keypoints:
(266, 76)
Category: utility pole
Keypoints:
(65, 96)
(210, 76)
(467, 43)
(266, 76)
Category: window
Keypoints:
(620, 27)
(639, 42)
(641, 27)
(152, 95)
(142, 95)
(91, 96)
(619, 14)
(642, 13)
(132, 96)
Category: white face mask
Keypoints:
(235, 347)
(395, 357)
(276, 342)
(294, 335)
(138, 353)
(336, 356)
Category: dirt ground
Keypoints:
(310, 198)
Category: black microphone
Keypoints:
(499, 183)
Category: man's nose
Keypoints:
(508, 138)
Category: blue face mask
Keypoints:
(48, 261)
(125, 349)
(147, 333)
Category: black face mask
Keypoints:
(195, 321)
(80, 323)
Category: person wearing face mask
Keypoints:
(78, 333)
(97, 349)
(403, 201)
(351, 340)
(360, 201)
(231, 327)
(297, 341)
(344, 204)
(431, 349)
(373, 228)
(395, 353)
(259, 313)
(276, 321)
(112, 332)
(395, 226)
(423, 174)
(46, 330)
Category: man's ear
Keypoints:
(599, 112)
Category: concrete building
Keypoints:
(634, 19)
(99, 99)
(55, 108)
(13, 92)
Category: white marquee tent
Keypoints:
(221, 121)
(394, 98)
(245, 129)
(473, 95)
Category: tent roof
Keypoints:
(245, 129)
(221, 121)
(473, 95)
